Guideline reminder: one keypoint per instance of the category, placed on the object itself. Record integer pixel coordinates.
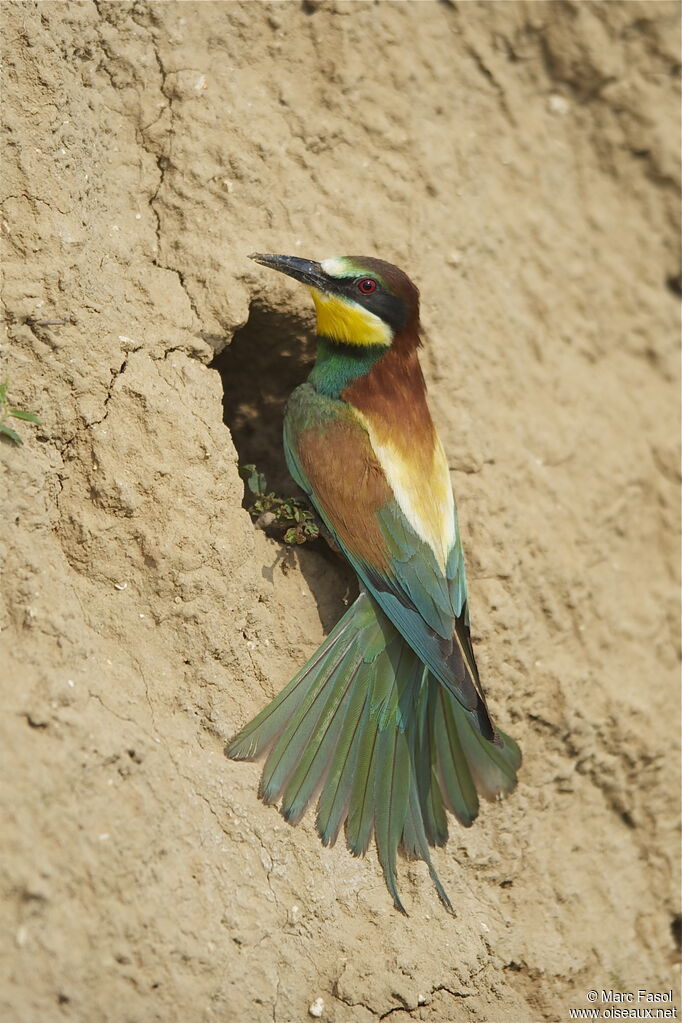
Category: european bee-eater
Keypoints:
(387, 723)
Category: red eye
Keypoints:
(367, 285)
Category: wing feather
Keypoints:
(330, 455)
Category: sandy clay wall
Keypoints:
(521, 162)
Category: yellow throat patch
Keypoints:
(346, 321)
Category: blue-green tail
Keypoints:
(385, 748)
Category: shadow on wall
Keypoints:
(270, 356)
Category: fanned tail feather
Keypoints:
(415, 843)
(366, 727)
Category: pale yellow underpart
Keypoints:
(424, 493)
(346, 321)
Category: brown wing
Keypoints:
(331, 457)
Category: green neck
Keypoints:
(338, 365)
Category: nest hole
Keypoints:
(270, 356)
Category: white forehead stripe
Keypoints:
(337, 267)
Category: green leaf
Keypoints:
(255, 480)
(7, 431)
(288, 512)
(30, 417)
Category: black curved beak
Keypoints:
(304, 270)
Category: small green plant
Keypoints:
(288, 514)
(7, 411)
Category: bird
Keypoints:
(386, 727)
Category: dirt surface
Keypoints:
(520, 161)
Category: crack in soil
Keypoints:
(115, 375)
(163, 160)
(163, 163)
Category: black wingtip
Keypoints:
(497, 739)
(486, 726)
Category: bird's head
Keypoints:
(359, 300)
